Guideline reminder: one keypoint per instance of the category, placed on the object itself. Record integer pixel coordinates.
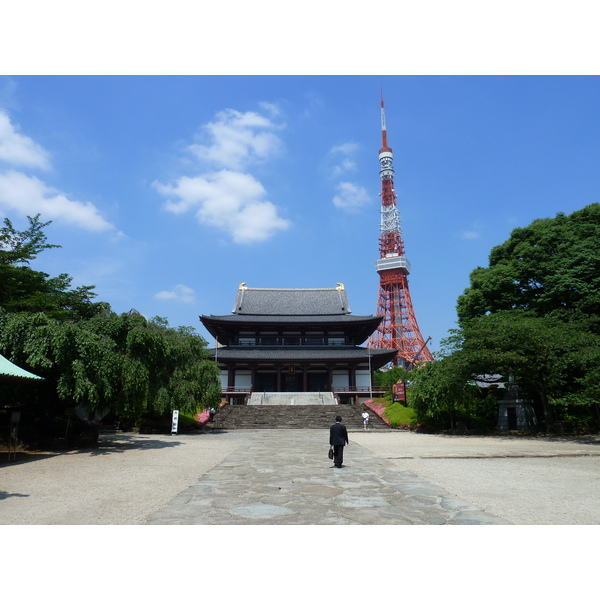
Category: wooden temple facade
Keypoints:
(295, 340)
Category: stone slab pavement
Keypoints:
(395, 478)
(271, 477)
(284, 477)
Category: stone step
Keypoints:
(293, 417)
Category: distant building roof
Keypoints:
(9, 370)
(486, 380)
(283, 301)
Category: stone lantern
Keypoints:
(515, 412)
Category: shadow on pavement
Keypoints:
(4, 495)
(123, 442)
(23, 457)
(592, 440)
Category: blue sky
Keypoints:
(166, 192)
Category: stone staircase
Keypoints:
(293, 417)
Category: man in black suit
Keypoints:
(338, 437)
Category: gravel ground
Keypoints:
(128, 476)
(527, 481)
(120, 482)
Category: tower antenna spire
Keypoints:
(384, 143)
(398, 328)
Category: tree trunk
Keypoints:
(548, 416)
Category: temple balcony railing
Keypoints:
(236, 389)
(292, 341)
(360, 389)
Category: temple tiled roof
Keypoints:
(224, 327)
(301, 301)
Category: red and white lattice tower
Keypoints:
(398, 328)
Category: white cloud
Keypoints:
(28, 195)
(227, 200)
(473, 233)
(238, 139)
(350, 196)
(340, 158)
(228, 197)
(271, 108)
(346, 148)
(344, 166)
(19, 150)
(180, 293)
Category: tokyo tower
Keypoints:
(398, 328)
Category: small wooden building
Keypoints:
(295, 340)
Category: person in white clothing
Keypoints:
(365, 418)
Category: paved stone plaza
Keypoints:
(284, 477)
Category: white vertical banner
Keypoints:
(175, 421)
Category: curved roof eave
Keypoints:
(9, 370)
(378, 357)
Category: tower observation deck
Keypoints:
(398, 328)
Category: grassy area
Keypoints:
(188, 421)
(393, 413)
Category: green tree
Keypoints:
(580, 406)
(442, 392)
(118, 363)
(536, 310)
(21, 247)
(388, 377)
(23, 289)
(89, 356)
(549, 356)
(556, 364)
(551, 267)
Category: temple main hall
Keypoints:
(295, 340)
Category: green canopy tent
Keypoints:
(10, 371)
